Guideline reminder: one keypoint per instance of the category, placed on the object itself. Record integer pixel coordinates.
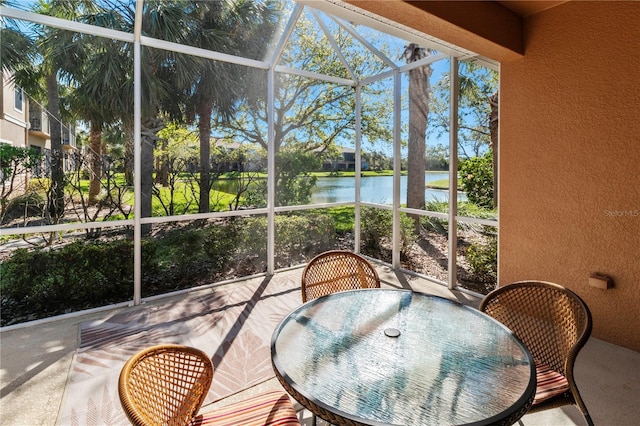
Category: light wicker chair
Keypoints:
(554, 323)
(167, 384)
(337, 270)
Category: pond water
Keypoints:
(374, 189)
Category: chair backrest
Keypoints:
(337, 270)
(164, 385)
(552, 321)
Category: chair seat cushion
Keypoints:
(550, 383)
(269, 409)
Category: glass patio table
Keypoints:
(397, 357)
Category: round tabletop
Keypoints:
(397, 357)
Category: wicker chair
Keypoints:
(555, 324)
(334, 271)
(167, 384)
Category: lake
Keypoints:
(374, 189)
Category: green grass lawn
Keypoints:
(439, 184)
(184, 199)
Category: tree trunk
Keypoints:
(204, 126)
(418, 111)
(56, 189)
(150, 128)
(95, 142)
(493, 129)
(128, 152)
(162, 166)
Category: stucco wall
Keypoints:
(570, 159)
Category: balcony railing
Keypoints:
(38, 119)
(40, 122)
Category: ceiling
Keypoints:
(530, 7)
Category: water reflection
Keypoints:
(374, 189)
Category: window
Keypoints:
(18, 98)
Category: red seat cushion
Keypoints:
(269, 409)
(549, 383)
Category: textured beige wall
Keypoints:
(570, 159)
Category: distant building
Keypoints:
(345, 161)
(241, 157)
(26, 124)
(254, 159)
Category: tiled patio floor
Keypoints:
(35, 363)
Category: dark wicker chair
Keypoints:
(167, 384)
(337, 270)
(555, 324)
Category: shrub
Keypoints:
(304, 233)
(80, 275)
(377, 227)
(42, 282)
(293, 182)
(298, 236)
(14, 163)
(435, 224)
(252, 238)
(189, 256)
(476, 179)
(220, 243)
(408, 235)
(25, 206)
(465, 209)
(483, 259)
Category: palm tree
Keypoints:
(102, 73)
(96, 76)
(46, 72)
(418, 110)
(163, 74)
(104, 79)
(16, 49)
(241, 28)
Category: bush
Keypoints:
(435, 224)
(377, 228)
(252, 238)
(190, 256)
(304, 233)
(220, 243)
(28, 205)
(294, 183)
(476, 179)
(376, 225)
(77, 276)
(298, 236)
(465, 209)
(43, 282)
(483, 259)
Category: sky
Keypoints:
(384, 43)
